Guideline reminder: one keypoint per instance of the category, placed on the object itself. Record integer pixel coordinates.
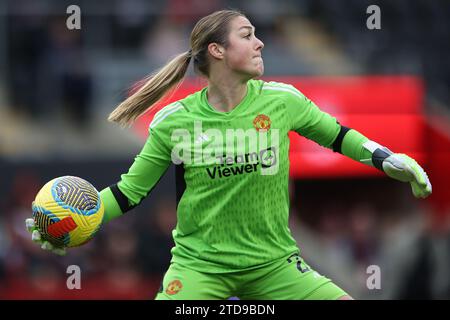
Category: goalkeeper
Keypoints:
(232, 236)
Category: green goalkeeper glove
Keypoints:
(400, 167)
(403, 168)
(36, 238)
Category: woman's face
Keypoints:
(243, 53)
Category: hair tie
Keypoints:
(190, 52)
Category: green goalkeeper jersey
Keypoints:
(233, 204)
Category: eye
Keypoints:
(248, 36)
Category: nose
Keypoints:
(260, 44)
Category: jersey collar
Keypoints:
(232, 113)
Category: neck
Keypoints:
(224, 93)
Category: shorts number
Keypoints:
(302, 268)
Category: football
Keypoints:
(68, 211)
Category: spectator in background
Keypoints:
(26, 47)
(68, 68)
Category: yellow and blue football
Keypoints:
(68, 211)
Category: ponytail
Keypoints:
(152, 91)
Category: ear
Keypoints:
(216, 50)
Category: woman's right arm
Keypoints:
(148, 167)
(145, 172)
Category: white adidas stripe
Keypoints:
(273, 84)
(266, 87)
(155, 122)
(166, 109)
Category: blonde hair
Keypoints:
(209, 29)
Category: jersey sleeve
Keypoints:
(147, 169)
(308, 120)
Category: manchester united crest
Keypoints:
(262, 122)
(174, 287)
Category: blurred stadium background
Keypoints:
(57, 87)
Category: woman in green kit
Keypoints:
(230, 143)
